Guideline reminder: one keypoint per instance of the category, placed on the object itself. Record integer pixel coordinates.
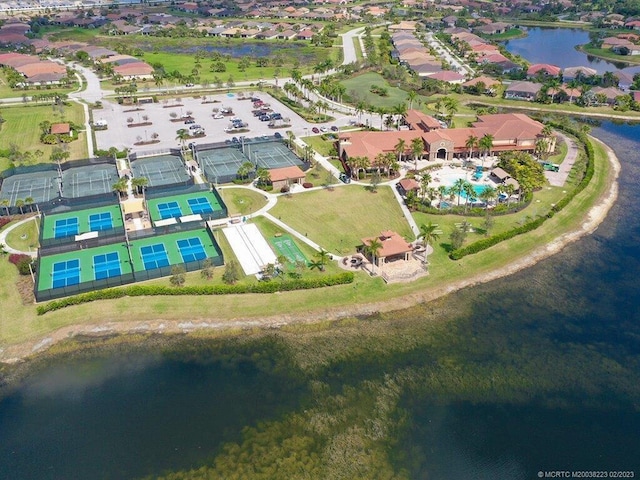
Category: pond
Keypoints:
(556, 46)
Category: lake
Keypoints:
(536, 372)
(556, 46)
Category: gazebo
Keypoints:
(393, 247)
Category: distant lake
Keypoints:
(557, 47)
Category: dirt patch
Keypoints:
(25, 289)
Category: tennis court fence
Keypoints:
(176, 227)
(52, 246)
(154, 153)
(117, 281)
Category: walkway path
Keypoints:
(559, 178)
(5, 232)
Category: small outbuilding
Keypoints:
(286, 176)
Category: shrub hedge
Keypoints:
(219, 289)
(485, 243)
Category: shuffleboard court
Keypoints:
(161, 170)
(89, 180)
(250, 247)
(68, 270)
(59, 225)
(173, 249)
(285, 245)
(204, 203)
(40, 187)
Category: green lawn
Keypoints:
(508, 35)
(24, 237)
(359, 86)
(339, 218)
(609, 55)
(19, 323)
(242, 201)
(21, 128)
(323, 147)
(318, 175)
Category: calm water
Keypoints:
(126, 416)
(557, 46)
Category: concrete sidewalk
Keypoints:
(5, 232)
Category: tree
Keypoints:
(488, 195)
(485, 144)
(29, 201)
(429, 233)
(459, 235)
(207, 269)
(417, 148)
(231, 272)
(323, 257)
(139, 183)
(244, 170)
(471, 143)
(411, 97)
(20, 204)
(263, 176)
(120, 186)
(458, 187)
(4, 203)
(400, 148)
(182, 136)
(425, 180)
(372, 249)
(177, 278)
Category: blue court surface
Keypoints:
(106, 265)
(100, 221)
(154, 256)
(191, 249)
(66, 227)
(200, 205)
(66, 273)
(169, 210)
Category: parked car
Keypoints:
(189, 85)
(334, 128)
(265, 118)
(218, 116)
(278, 135)
(194, 127)
(324, 129)
(189, 121)
(344, 178)
(315, 130)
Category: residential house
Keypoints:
(522, 91)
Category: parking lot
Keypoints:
(120, 135)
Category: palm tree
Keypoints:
(373, 249)
(182, 136)
(469, 193)
(411, 97)
(29, 201)
(429, 233)
(417, 147)
(425, 180)
(323, 257)
(485, 144)
(120, 186)
(263, 176)
(401, 111)
(139, 183)
(458, 188)
(442, 193)
(20, 204)
(471, 143)
(487, 195)
(400, 148)
(5, 204)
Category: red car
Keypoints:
(315, 130)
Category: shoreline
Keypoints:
(13, 354)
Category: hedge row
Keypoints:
(485, 243)
(220, 289)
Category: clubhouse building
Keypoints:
(510, 131)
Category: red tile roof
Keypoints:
(392, 244)
(285, 173)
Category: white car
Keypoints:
(218, 116)
(324, 129)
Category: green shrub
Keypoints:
(154, 290)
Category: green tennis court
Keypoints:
(197, 203)
(173, 249)
(285, 245)
(66, 270)
(77, 222)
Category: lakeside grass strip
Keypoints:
(532, 225)
(152, 290)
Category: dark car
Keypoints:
(334, 128)
(265, 118)
(189, 121)
(344, 178)
(277, 135)
(275, 116)
(234, 140)
(315, 130)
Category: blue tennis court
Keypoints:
(191, 249)
(100, 221)
(106, 265)
(200, 205)
(154, 256)
(169, 210)
(66, 227)
(66, 273)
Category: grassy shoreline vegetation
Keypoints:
(365, 295)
